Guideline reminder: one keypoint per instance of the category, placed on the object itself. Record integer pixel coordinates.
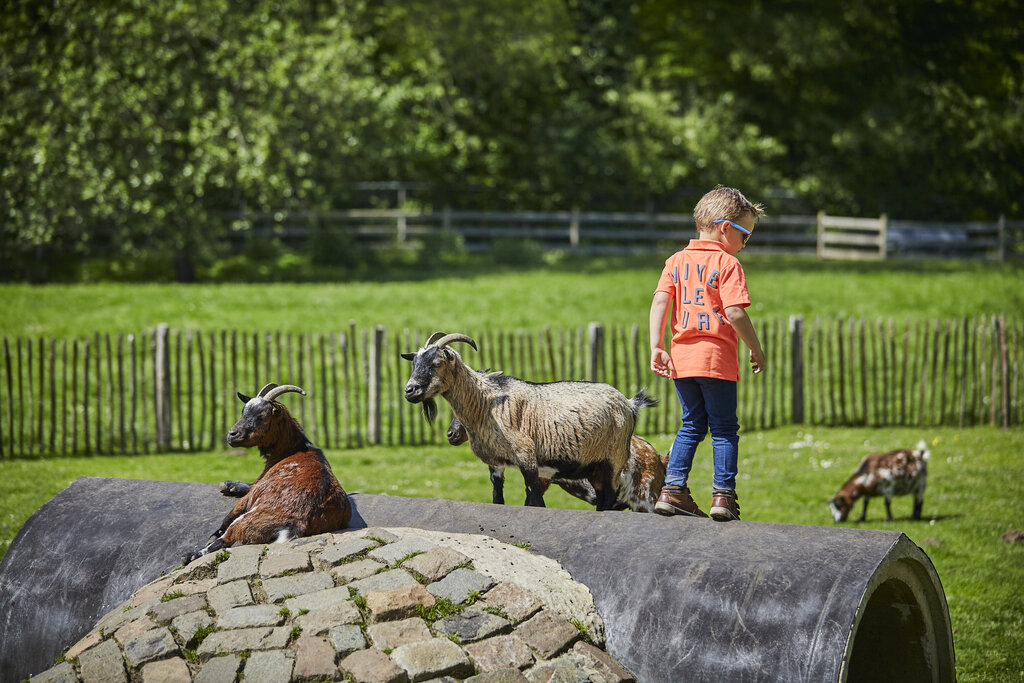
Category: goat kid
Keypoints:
(555, 430)
(296, 495)
(640, 482)
(898, 473)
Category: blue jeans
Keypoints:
(706, 403)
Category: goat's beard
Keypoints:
(429, 407)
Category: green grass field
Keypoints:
(975, 494)
(976, 476)
(611, 291)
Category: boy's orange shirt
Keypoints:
(703, 280)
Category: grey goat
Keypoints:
(554, 430)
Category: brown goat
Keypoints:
(897, 473)
(296, 495)
(642, 477)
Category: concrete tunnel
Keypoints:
(681, 598)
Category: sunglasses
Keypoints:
(746, 233)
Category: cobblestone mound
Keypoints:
(381, 605)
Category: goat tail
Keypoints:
(922, 448)
(641, 400)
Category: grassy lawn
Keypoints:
(613, 291)
(975, 494)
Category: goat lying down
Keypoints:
(296, 495)
(639, 486)
(555, 430)
(898, 473)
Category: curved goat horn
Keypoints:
(434, 337)
(454, 337)
(283, 389)
(266, 388)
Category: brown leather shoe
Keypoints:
(724, 506)
(676, 500)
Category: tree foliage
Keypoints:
(129, 129)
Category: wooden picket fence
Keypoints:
(174, 390)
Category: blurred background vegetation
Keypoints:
(131, 131)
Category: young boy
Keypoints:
(705, 285)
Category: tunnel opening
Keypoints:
(891, 641)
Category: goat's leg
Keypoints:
(888, 508)
(236, 489)
(864, 512)
(497, 485)
(535, 488)
(918, 505)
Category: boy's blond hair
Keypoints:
(724, 202)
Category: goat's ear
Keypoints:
(409, 356)
(243, 398)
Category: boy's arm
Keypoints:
(740, 322)
(661, 361)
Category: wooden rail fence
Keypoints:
(174, 390)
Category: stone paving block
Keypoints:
(472, 624)
(219, 670)
(499, 676)
(353, 571)
(329, 598)
(299, 584)
(250, 616)
(84, 644)
(62, 673)
(232, 641)
(269, 666)
(343, 550)
(432, 658)
(283, 562)
(562, 670)
(385, 581)
(191, 587)
(376, 532)
(166, 611)
(314, 658)
(187, 624)
(398, 603)
(373, 666)
(152, 591)
(200, 568)
(153, 644)
(458, 585)
(436, 563)
(133, 629)
(392, 634)
(317, 621)
(311, 543)
(119, 616)
(103, 663)
(243, 563)
(346, 639)
(512, 599)
(224, 596)
(602, 662)
(393, 552)
(548, 634)
(173, 670)
(500, 652)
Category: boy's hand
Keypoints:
(757, 361)
(661, 362)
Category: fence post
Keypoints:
(574, 228)
(596, 345)
(796, 361)
(821, 234)
(1002, 237)
(883, 236)
(373, 389)
(162, 388)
